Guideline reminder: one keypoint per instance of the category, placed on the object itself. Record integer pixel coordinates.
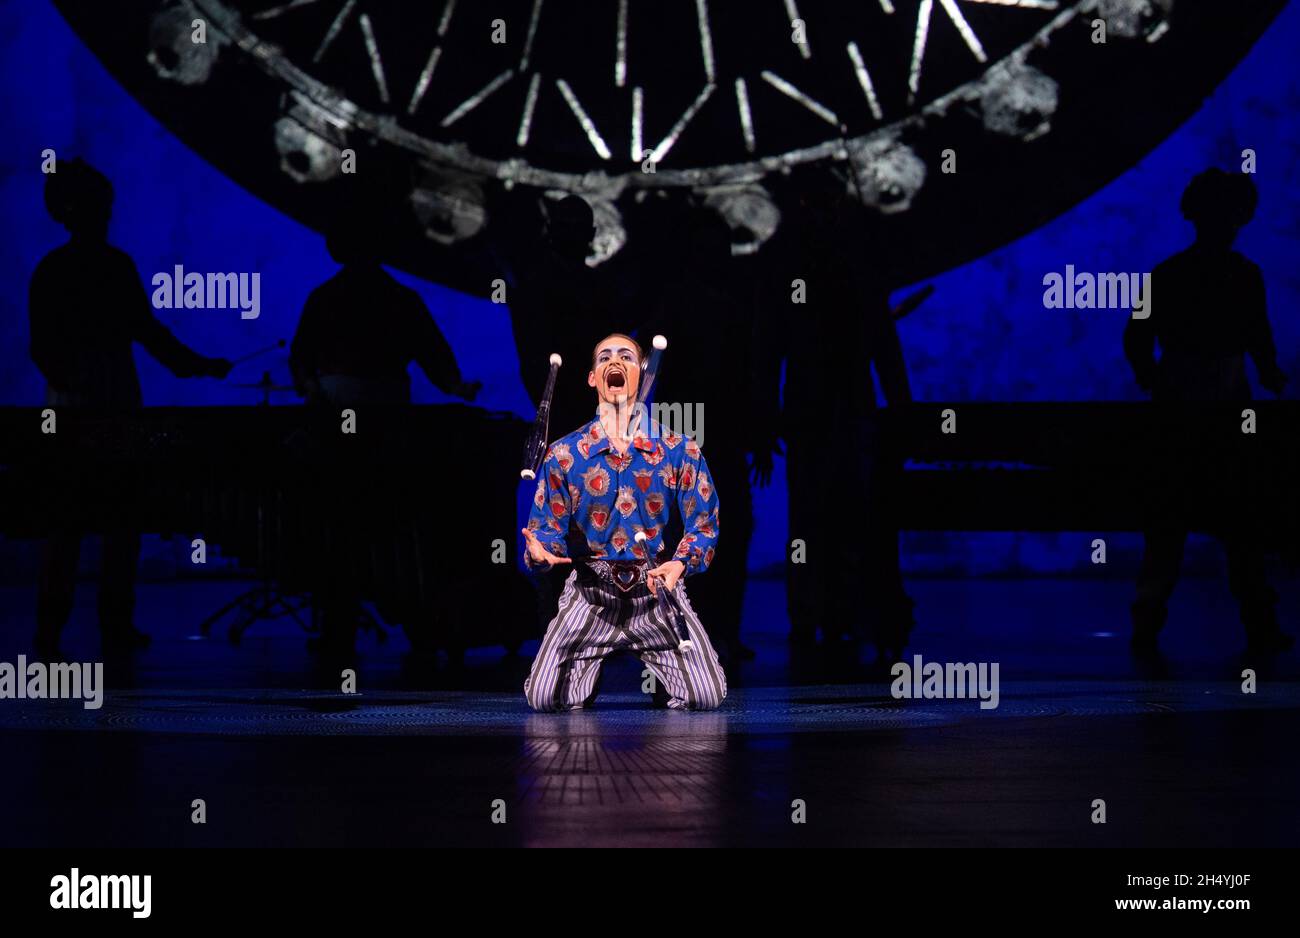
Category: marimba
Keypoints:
(407, 508)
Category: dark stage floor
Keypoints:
(420, 755)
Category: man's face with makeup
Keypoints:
(616, 372)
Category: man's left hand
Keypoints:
(668, 573)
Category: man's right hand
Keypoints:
(539, 554)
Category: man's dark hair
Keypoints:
(1218, 196)
(616, 335)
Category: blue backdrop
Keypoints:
(985, 335)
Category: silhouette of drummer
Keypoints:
(357, 336)
(1207, 314)
(88, 306)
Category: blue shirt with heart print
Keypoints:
(586, 487)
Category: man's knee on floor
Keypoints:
(541, 696)
(707, 699)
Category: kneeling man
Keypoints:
(599, 486)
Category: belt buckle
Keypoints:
(625, 575)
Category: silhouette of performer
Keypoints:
(711, 316)
(358, 333)
(558, 304)
(1207, 313)
(87, 307)
(850, 582)
(360, 330)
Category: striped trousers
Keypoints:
(594, 621)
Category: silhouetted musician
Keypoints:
(358, 334)
(1207, 313)
(829, 342)
(87, 307)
